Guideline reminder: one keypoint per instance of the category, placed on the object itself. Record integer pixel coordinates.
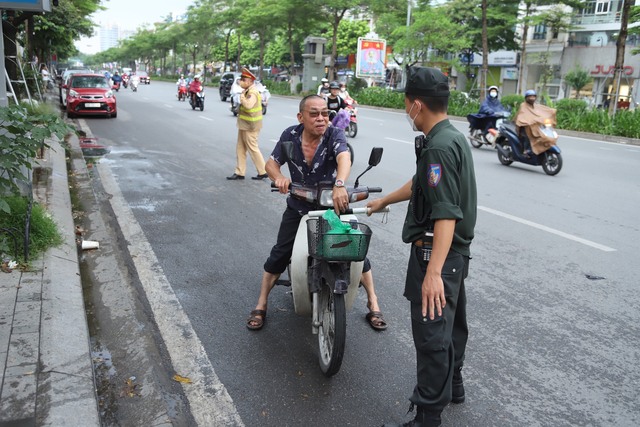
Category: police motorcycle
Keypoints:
(511, 149)
(236, 90)
(326, 266)
(478, 123)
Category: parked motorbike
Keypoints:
(510, 149)
(182, 93)
(477, 125)
(326, 265)
(199, 100)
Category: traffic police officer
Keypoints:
(249, 125)
(439, 225)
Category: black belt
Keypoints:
(423, 243)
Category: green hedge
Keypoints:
(572, 114)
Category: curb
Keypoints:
(66, 392)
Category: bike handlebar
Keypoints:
(365, 210)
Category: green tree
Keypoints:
(348, 33)
(492, 30)
(335, 11)
(634, 17)
(429, 36)
(577, 79)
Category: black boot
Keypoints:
(424, 418)
(457, 387)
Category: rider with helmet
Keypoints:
(529, 119)
(182, 85)
(334, 102)
(323, 89)
(491, 108)
(117, 79)
(195, 87)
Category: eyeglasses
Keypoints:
(316, 113)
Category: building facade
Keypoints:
(590, 44)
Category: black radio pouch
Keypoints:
(420, 211)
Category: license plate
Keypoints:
(92, 104)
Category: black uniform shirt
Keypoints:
(444, 187)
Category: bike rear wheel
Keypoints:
(332, 331)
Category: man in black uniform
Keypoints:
(439, 226)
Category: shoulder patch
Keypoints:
(434, 174)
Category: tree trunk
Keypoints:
(226, 49)
(485, 52)
(620, 45)
(334, 48)
(239, 52)
(174, 58)
(292, 72)
(261, 58)
(523, 51)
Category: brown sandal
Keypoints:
(376, 320)
(259, 321)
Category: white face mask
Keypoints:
(493, 94)
(412, 120)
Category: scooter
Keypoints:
(477, 125)
(264, 95)
(325, 268)
(125, 80)
(236, 90)
(510, 149)
(133, 84)
(182, 93)
(199, 100)
(116, 86)
(352, 130)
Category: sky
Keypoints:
(131, 14)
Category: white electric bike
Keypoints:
(325, 268)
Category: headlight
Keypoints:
(73, 93)
(326, 198)
(108, 94)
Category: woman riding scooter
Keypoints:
(491, 107)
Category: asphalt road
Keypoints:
(552, 294)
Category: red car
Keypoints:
(90, 94)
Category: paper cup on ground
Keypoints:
(90, 244)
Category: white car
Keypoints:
(62, 93)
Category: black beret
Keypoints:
(425, 81)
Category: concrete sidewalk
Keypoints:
(46, 373)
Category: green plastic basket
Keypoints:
(324, 244)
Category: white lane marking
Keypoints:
(206, 118)
(548, 229)
(399, 140)
(168, 105)
(209, 400)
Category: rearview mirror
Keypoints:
(286, 151)
(376, 156)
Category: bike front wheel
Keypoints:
(332, 331)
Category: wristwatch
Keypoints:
(339, 183)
